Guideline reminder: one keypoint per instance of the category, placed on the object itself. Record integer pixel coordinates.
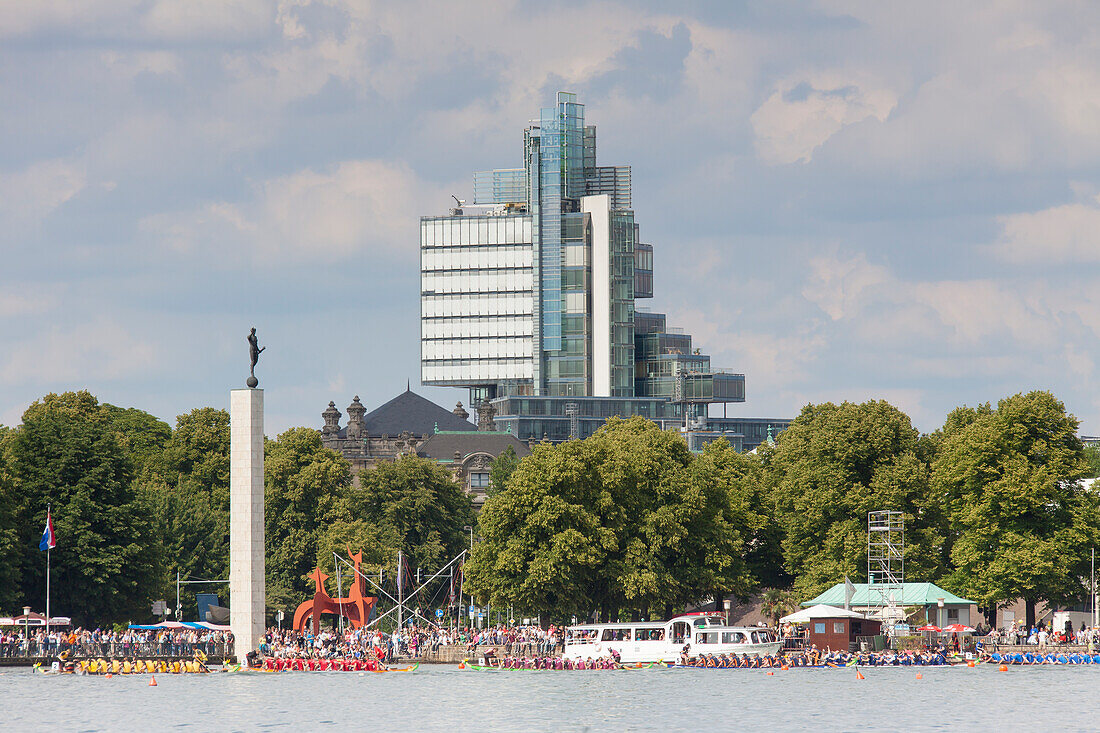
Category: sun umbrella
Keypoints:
(930, 627)
(958, 629)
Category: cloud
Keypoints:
(1069, 233)
(29, 195)
(878, 305)
(99, 350)
(350, 208)
(804, 112)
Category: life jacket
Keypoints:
(115, 666)
(175, 667)
(127, 667)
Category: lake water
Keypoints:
(437, 698)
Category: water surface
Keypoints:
(438, 698)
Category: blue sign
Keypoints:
(439, 613)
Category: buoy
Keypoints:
(1002, 668)
(970, 663)
(462, 665)
(108, 675)
(770, 673)
(152, 681)
(920, 676)
(859, 675)
(783, 666)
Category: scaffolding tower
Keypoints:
(886, 566)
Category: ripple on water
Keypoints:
(446, 699)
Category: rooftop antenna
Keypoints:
(457, 202)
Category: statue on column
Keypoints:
(254, 352)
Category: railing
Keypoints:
(21, 649)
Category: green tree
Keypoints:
(833, 465)
(501, 470)
(626, 520)
(306, 489)
(140, 435)
(777, 603)
(423, 505)
(189, 486)
(67, 455)
(9, 536)
(1020, 526)
(1092, 457)
(545, 541)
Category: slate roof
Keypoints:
(442, 445)
(409, 411)
(912, 594)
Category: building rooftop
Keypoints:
(409, 411)
(443, 445)
(912, 594)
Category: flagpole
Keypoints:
(48, 580)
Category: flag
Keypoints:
(48, 542)
(849, 591)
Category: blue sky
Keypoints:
(847, 200)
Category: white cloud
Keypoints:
(29, 195)
(837, 285)
(350, 208)
(229, 19)
(99, 350)
(1059, 234)
(805, 111)
(879, 306)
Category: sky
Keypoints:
(847, 200)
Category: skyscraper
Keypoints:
(528, 298)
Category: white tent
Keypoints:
(819, 611)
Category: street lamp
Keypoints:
(27, 627)
(726, 603)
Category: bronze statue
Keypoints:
(254, 351)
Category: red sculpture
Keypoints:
(356, 607)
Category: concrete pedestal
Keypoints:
(247, 583)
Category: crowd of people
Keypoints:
(109, 643)
(411, 641)
(1042, 636)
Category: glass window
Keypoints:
(838, 627)
(479, 480)
(819, 627)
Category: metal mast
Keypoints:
(886, 565)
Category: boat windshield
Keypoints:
(581, 636)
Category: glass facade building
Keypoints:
(528, 297)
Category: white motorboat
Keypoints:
(665, 641)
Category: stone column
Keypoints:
(247, 584)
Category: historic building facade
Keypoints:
(409, 424)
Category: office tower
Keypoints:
(528, 299)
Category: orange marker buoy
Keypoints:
(770, 673)
(970, 663)
(108, 675)
(859, 675)
(152, 681)
(783, 666)
(462, 665)
(920, 676)
(1002, 668)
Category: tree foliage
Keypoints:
(66, 454)
(1020, 526)
(833, 465)
(422, 504)
(306, 489)
(625, 520)
(501, 469)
